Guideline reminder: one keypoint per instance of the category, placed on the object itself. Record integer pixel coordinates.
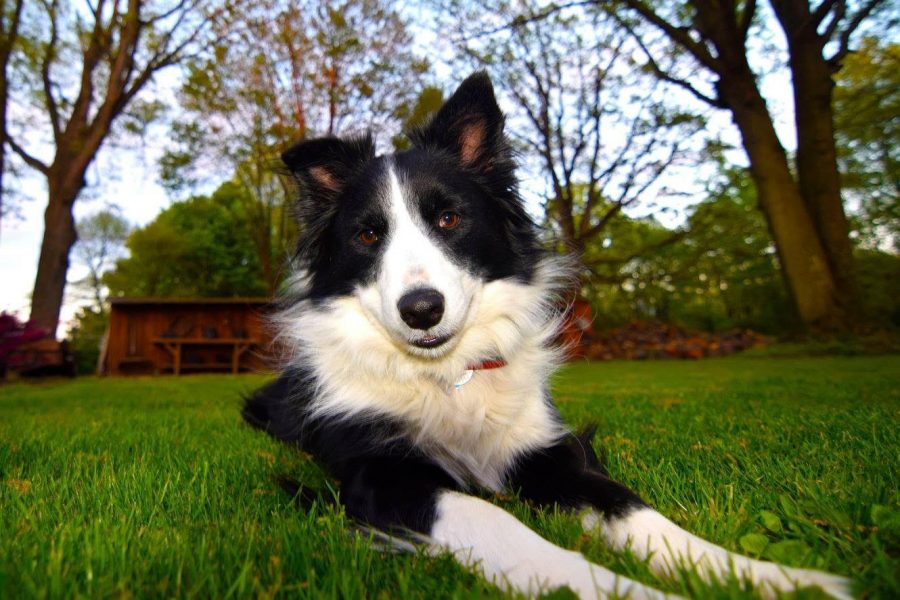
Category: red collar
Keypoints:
(487, 364)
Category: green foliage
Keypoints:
(427, 103)
(623, 284)
(878, 276)
(152, 487)
(85, 337)
(199, 247)
(867, 127)
(175, 165)
(101, 240)
(140, 115)
(101, 229)
(719, 273)
(726, 269)
(754, 544)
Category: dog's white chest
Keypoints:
(477, 429)
(474, 430)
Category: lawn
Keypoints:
(152, 487)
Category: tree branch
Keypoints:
(49, 57)
(668, 241)
(633, 132)
(541, 123)
(679, 35)
(167, 13)
(11, 33)
(165, 58)
(603, 221)
(839, 14)
(747, 18)
(522, 20)
(656, 170)
(661, 74)
(855, 22)
(30, 160)
(98, 41)
(593, 194)
(820, 12)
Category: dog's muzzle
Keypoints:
(422, 308)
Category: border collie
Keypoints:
(420, 335)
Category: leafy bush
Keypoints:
(85, 337)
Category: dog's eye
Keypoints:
(368, 236)
(448, 220)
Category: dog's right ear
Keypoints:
(322, 167)
(469, 125)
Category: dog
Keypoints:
(420, 334)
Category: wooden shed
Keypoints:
(178, 335)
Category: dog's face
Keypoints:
(416, 235)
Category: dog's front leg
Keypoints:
(570, 475)
(394, 493)
(487, 538)
(669, 548)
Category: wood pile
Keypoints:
(652, 340)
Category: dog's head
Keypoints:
(415, 236)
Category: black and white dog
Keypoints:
(420, 338)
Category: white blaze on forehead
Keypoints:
(412, 258)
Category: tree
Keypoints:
(585, 115)
(118, 46)
(879, 278)
(198, 247)
(10, 17)
(101, 240)
(721, 273)
(285, 71)
(803, 208)
(727, 272)
(866, 108)
(428, 102)
(86, 336)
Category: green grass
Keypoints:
(154, 488)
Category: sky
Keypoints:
(136, 191)
(126, 176)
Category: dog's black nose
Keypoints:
(421, 309)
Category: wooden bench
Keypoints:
(175, 346)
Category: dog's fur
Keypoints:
(413, 271)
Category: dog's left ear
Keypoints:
(322, 167)
(469, 125)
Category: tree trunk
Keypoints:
(817, 169)
(9, 24)
(804, 263)
(3, 96)
(59, 237)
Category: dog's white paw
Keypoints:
(670, 549)
(775, 578)
(600, 583)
